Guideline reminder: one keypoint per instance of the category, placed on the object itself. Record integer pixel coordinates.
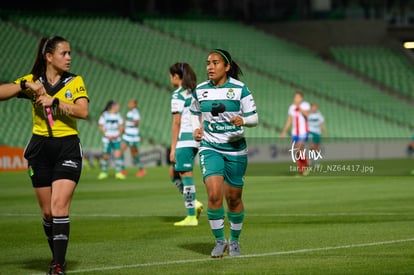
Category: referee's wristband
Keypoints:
(55, 103)
(23, 84)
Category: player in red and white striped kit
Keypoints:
(298, 118)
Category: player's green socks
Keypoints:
(119, 164)
(123, 162)
(104, 165)
(216, 220)
(236, 223)
(189, 193)
(137, 162)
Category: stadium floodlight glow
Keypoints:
(409, 45)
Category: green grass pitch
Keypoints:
(320, 224)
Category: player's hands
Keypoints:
(37, 88)
(283, 134)
(198, 134)
(111, 138)
(237, 120)
(44, 100)
(172, 156)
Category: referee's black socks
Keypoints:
(60, 238)
(48, 228)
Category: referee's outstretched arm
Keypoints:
(9, 90)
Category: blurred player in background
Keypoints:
(131, 138)
(54, 153)
(220, 108)
(183, 146)
(410, 150)
(111, 124)
(298, 121)
(317, 129)
(410, 147)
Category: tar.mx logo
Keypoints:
(301, 154)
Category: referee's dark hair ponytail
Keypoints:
(235, 70)
(46, 45)
(186, 74)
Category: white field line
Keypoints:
(269, 254)
(93, 215)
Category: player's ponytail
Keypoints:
(108, 106)
(235, 70)
(46, 45)
(186, 74)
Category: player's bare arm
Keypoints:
(197, 128)
(10, 90)
(175, 130)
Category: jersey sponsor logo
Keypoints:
(221, 128)
(217, 108)
(230, 94)
(205, 94)
(68, 95)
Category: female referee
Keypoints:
(220, 108)
(183, 146)
(54, 152)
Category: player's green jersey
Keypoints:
(111, 123)
(180, 104)
(131, 132)
(315, 120)
(217, 105)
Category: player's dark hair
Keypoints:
(235, 70)
(134, 101)
(46, 45)
(299, 93)
(108, 105)
(186, 74)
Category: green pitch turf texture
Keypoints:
(319, 224)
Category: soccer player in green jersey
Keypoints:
(317, 129)
(410, 150)
(183, 146)
(131, 136)
(111, 124)
(220, 108)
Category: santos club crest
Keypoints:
(230, 94)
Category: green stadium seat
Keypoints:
(131, 61)
(384, 65)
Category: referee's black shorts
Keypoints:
(53, 158)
